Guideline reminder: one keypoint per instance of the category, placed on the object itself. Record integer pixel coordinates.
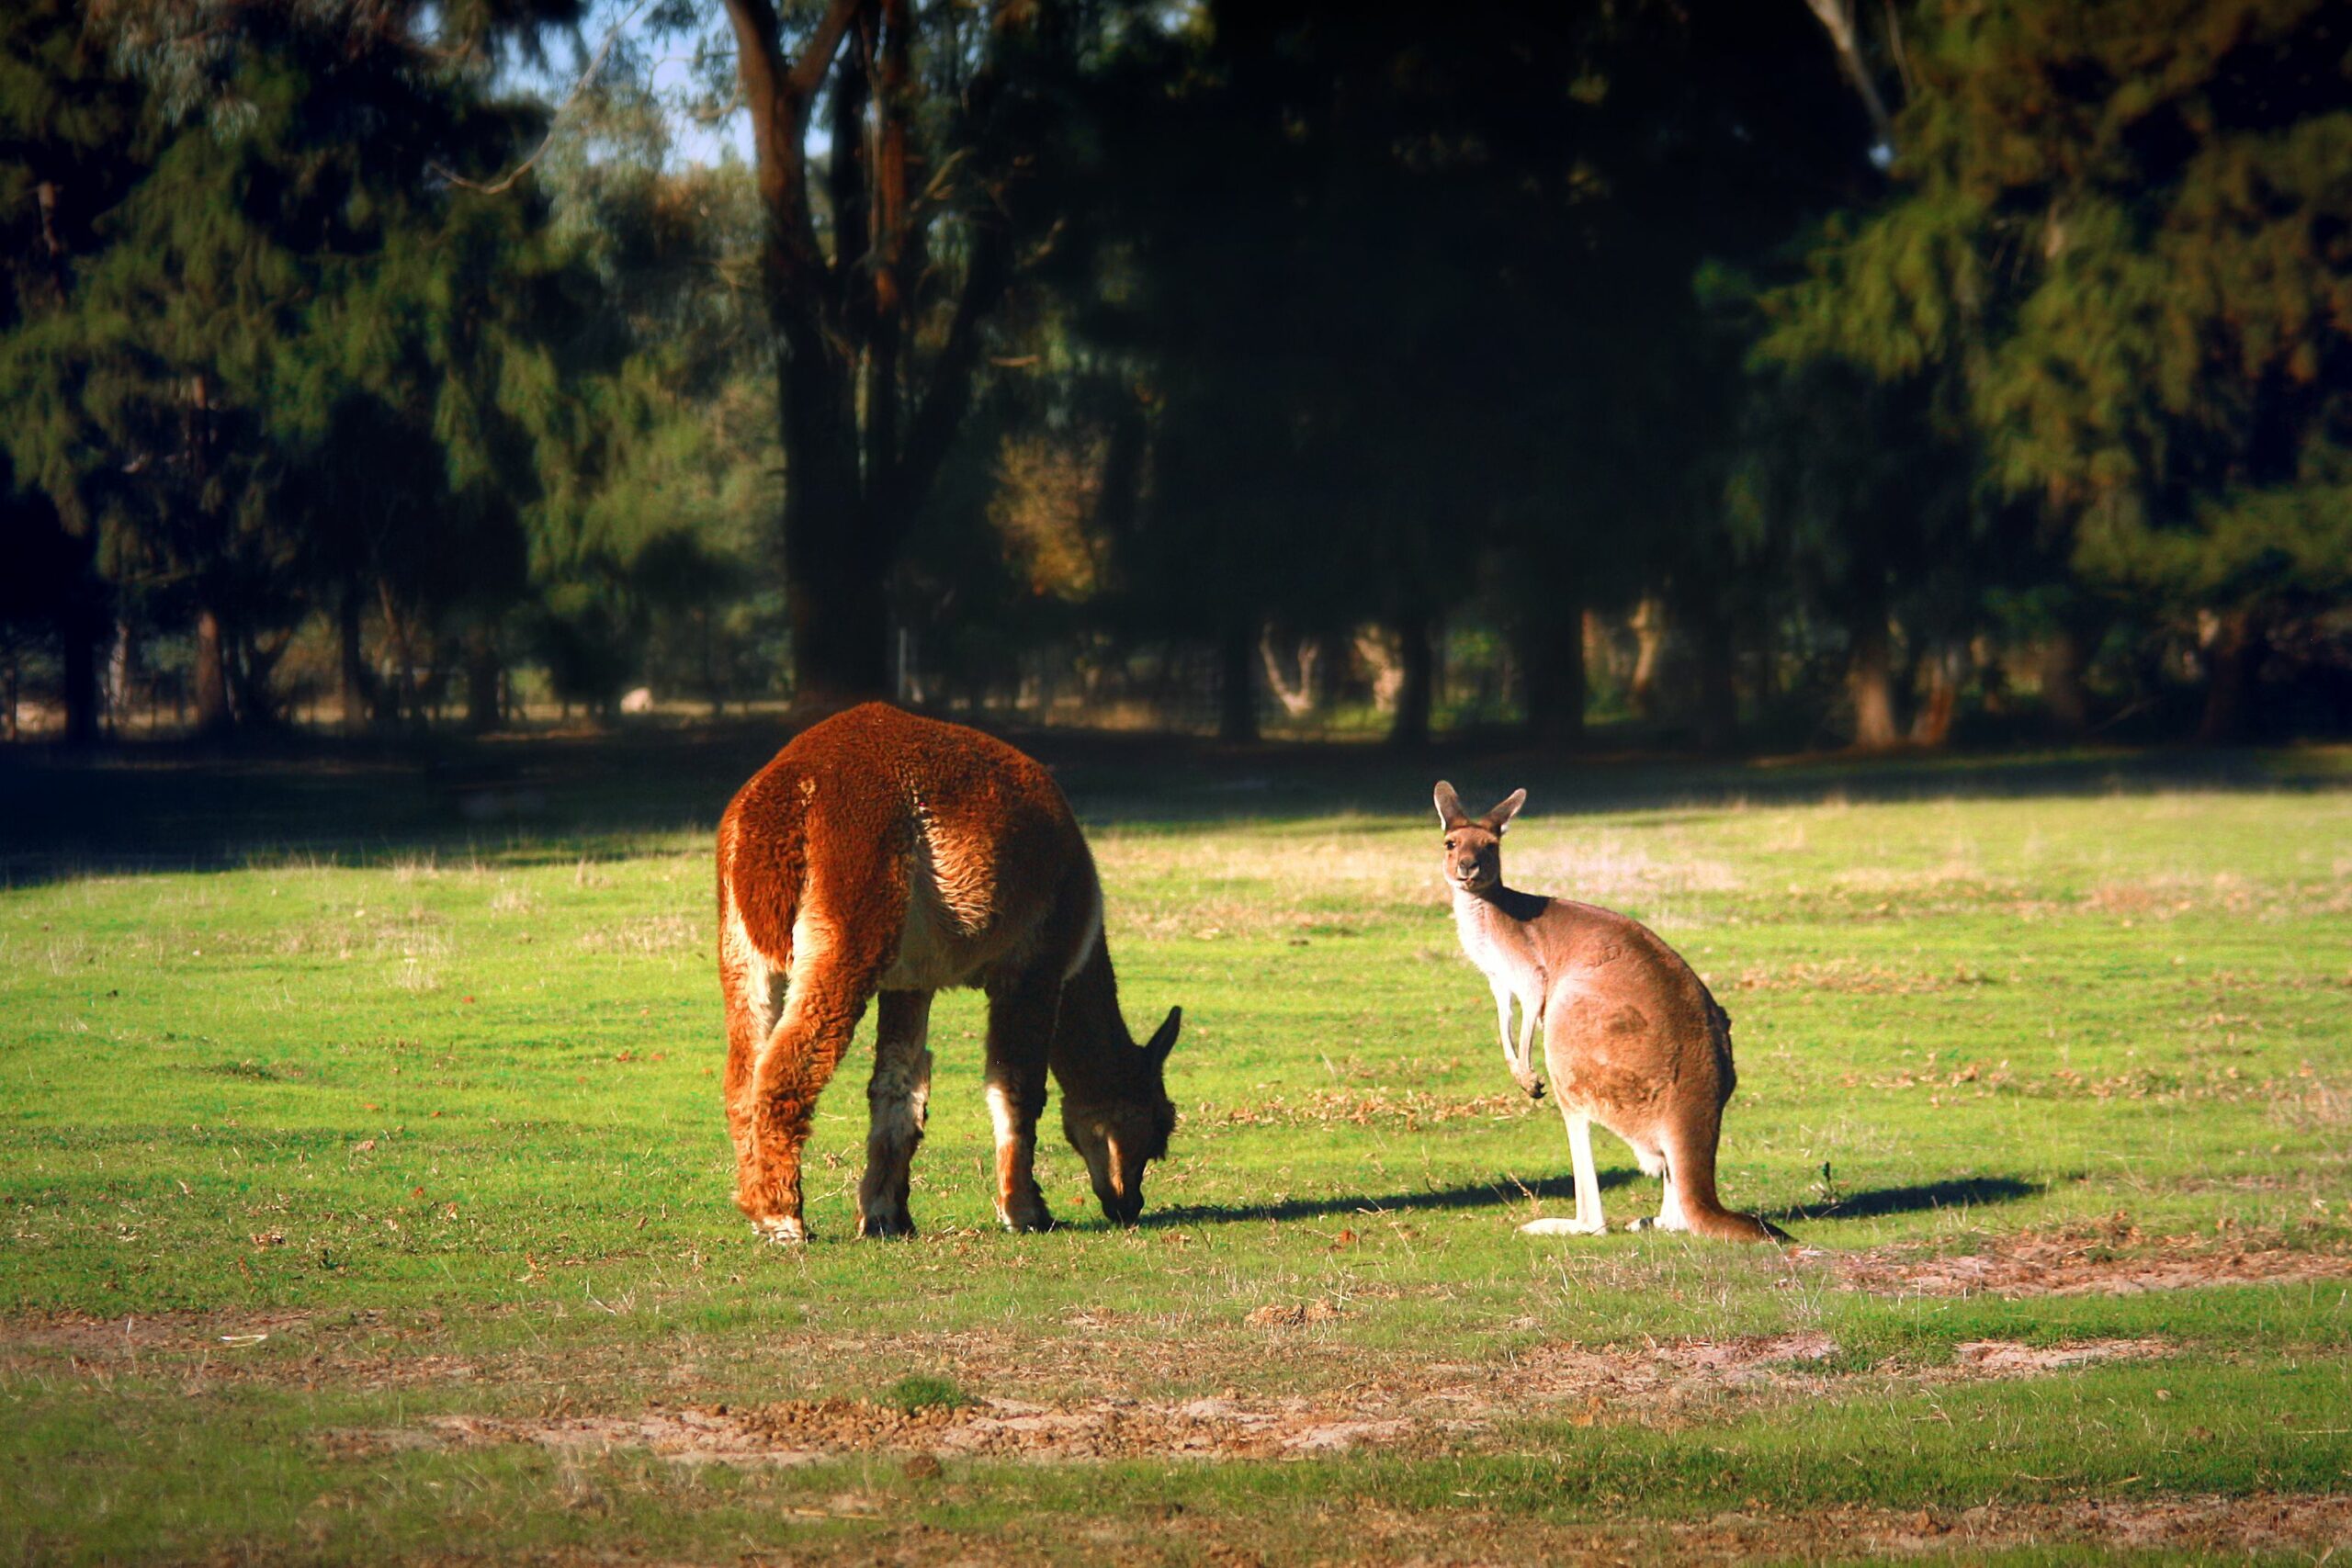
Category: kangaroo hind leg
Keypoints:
(1588, 1221)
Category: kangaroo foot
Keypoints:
(1564, 1227)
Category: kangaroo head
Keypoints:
(1474, 846)
(1122, 1133)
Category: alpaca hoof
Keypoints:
(1027, 1222)
(785, 1230)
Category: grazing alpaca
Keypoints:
(883, 853)
(1630, 1037)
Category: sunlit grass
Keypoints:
(458, 1108)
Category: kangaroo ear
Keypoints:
(1164, 1039)
(1501, 815)
(1449, 806)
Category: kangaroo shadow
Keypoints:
(1479, 1195)
(1954, 1193)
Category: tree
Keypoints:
(881, 267)
(71, 141)
(309, 356)
(2118, 231)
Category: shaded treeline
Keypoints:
(1746, 370)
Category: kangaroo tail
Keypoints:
(1690, 1164)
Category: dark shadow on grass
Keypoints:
(1960, 1192)
(161, 806)
(1957, 1192)
(1482, 1195)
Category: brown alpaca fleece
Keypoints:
(1631, 1037)
(880, 853)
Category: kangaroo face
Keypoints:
(1474, 846)
(1474, 857)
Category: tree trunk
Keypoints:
(860, 473)
(1297, 697)
(211, 677)
(1649, 643)
(1870, 681)
(122, 674)
(1718, 715)
(352, 662)
(80, 633)
(1551, 660)
(2235, 646)
(1931, 726)
(481, 680)
(1417, 654)
(2064, 696)
(1236, 688)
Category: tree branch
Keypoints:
(1837, 20)
(595, 67)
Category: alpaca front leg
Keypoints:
(1020, 1027)
(898, 1103)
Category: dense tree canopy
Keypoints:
(1818, 371)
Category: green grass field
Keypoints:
(366, 1194)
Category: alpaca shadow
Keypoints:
(1958, 1192)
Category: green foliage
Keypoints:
(2118, 231)
(921, 1392)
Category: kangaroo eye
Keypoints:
(1452, 845)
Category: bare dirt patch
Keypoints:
(800, 1431)
(88, 1337)
(1445, 1406)
(2209, 1523)
(2113, 1260)
(2008, 1358)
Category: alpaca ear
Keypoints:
(1164, 1039)
(1500, 818)
(1450, 814)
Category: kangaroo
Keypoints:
(1632, 1038)
(880, 853)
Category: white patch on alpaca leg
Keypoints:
(782, 1229)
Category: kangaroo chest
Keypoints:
(1502, 947)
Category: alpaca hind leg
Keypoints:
(898, 1101)
(754, 990)
(830, 986)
